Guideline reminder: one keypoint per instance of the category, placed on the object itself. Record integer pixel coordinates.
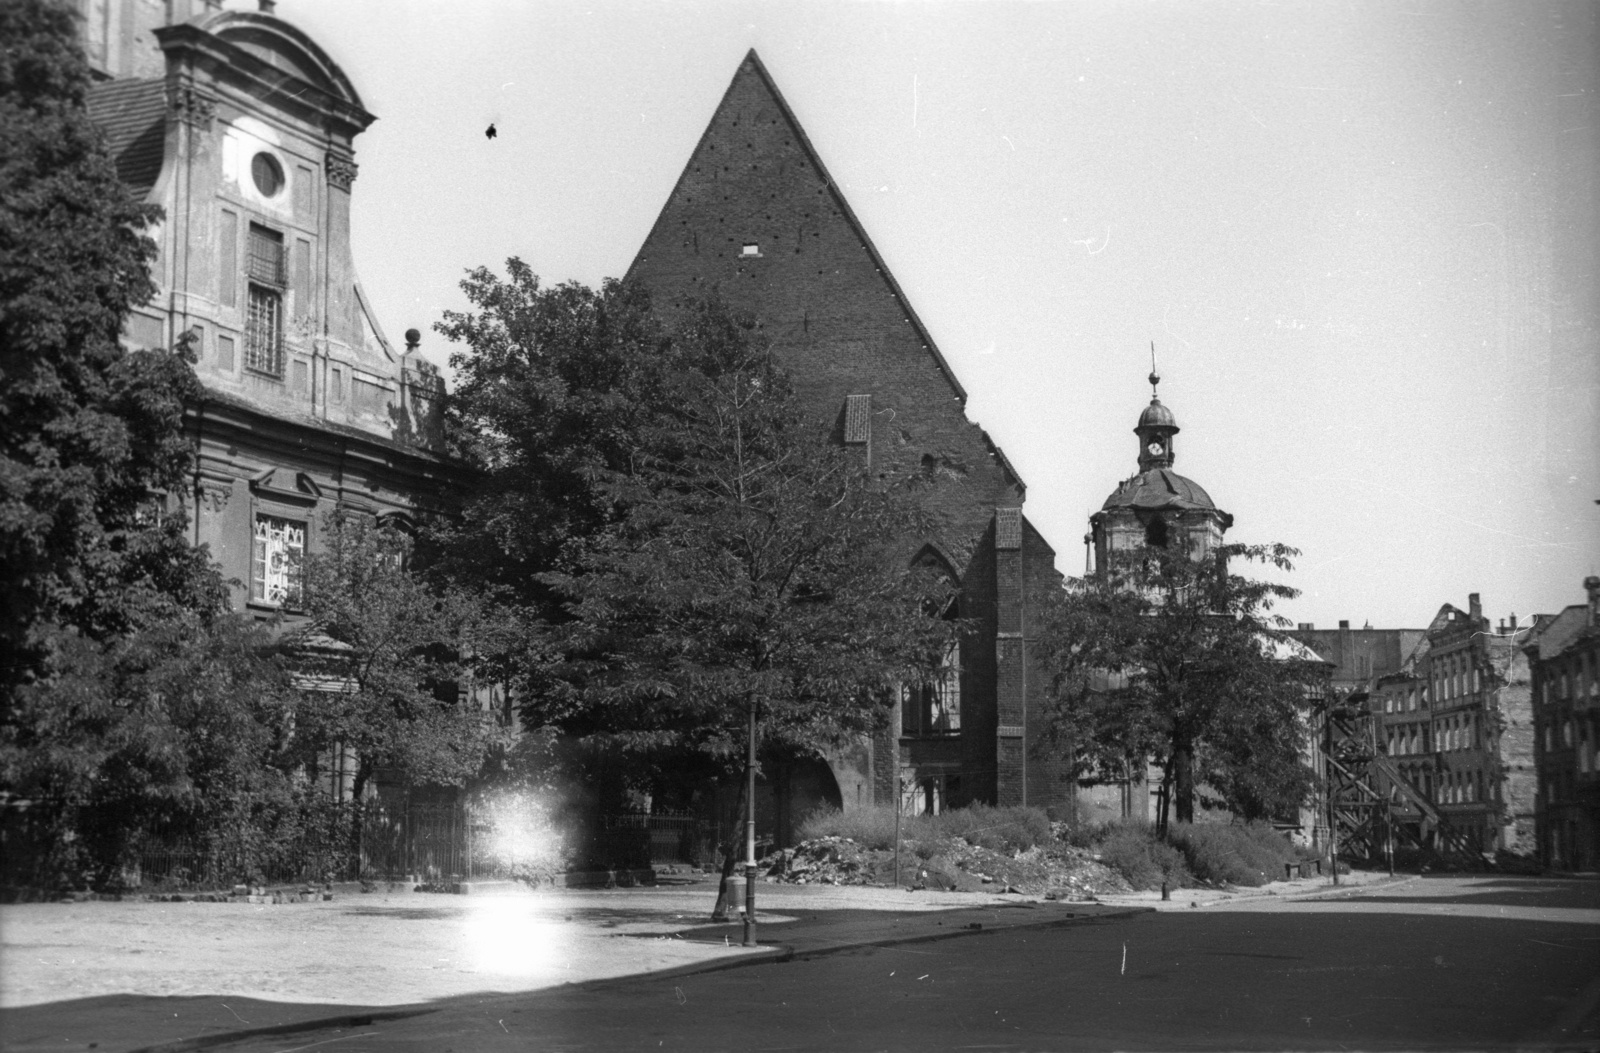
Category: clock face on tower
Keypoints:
(1156, 449)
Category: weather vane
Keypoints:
(1155, 378)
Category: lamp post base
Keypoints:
(750, 906)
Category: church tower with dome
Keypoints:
(1156, 506)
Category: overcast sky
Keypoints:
(1361, 235)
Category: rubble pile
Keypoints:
(1057, 871)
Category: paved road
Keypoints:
(1484, 963)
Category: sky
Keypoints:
(1362, 237)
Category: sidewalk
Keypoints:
(192, 975)
(1290, 891)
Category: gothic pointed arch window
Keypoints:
(931, 706)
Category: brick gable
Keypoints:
(756, 219)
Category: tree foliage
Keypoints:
(666, 534)
(550, 393)
(384, 656)
(751, 565)
(183, 725)
(87, 430)
(1179, 660)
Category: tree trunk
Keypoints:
(357, 814)
(1183, 782)
(1164, 799)
(731, 843)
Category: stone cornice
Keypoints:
(432, 482)
(228, 63)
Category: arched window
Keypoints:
(932, 706)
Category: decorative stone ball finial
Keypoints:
(413, 340)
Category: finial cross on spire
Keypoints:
(1155, 378)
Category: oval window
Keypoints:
(267, 173)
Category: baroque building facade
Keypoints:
(1155, 507)
(242, 129)
(756, 219)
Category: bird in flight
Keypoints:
(489, 132)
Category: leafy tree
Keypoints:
(385, 655)
(182, 725)
(752, 567)
(87, 430)
(1180, 660)
(548, 397)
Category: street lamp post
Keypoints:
(750, 835)
(899, 801)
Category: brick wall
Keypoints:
(835, 316)
(1047, 785)
(756, 220)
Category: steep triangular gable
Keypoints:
(1447, 614)
(752, 82)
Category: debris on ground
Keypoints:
(1056, 871)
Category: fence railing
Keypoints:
(421, 842)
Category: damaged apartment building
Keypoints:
(1452, 724)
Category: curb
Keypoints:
(1329, 893)
(789, 953)
(223, 1038)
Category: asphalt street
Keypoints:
(1479, 963)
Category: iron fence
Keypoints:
(380, 841)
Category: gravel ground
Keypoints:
(385, 948)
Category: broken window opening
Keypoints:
(277, 558)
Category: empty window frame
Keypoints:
(277, 559)
(933, 707)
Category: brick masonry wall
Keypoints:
(842, 328)
(1048, 786)
(980, 673)
(834, 316)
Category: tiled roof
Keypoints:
(133, 115)
(1160, 488)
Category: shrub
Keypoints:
(1133, 850)
(868, 827)
(1086, 835)
(1250, 854)
(997, 829)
